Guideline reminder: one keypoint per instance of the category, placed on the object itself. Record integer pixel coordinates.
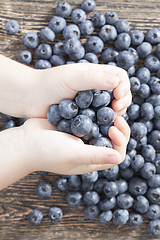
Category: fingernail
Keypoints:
(112, 159)
(120, 106)
(110, 79)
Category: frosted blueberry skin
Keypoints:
(88, 5)
(137, 186)
(123, 42)
(53, 114)
(148, 170)
(153, 139)
(135, 219)
(71, 31)
(120, 216)
(86, 27)
(101, 142)
(74, 182)
(74, 199)
(108, 33)
(107, 204)
(43, 190)
(47, 34)
(125, 60)
(137, 37)
(55, 214)
(153, 36)
(68, 109)
(98, 20)
(111, 173)
(135, 84)
(78, 16)
(126, 162)
(57, 24)
(91, 198)
(63, 9)
(138, 130)
(153, 211)
(105, 115)
(56, 60)
(148, 152)
(58, 49)
(111, 17)
(43, 64)
(144, 49)
(154, 228)
(72, 46)
(64, 126)
(94, 45)
(154, 84)
(61, 184)
(133, 111)
(31, 40)
(12, 27)
(141, 204)
(5, 117)
(105, 217)
(91, 212)
(90, 177)
(8, 124)
(35, 217)
(122, 26)
(109, 55)
(110, 189)
(43, 51)
(124, 200)
(78, 55)
(143, 74)
(152, 63)
(122, 185)
(81, 125)
(91, 57)
(25, 57)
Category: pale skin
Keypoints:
(37, 145)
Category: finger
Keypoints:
(123, 126)
(122, 103)
(121, 112)
(124, 85)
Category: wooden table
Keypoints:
(17, 200)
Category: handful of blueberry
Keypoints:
(134, 185)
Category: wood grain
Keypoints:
(17, 200)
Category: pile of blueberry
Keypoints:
(125, 192)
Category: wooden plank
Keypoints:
(17, 200)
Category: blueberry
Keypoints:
(5, 117)
(122, 26)
(42, 64)
(111, 173)
(120, 216)
(25, 56)
(111, 17)
(82, 61)
(74, 182)
(71, 31)
(140, 143)
(123, 42)
(144, 90)
(83, 99)
(88, 112)
(8, 124)
(78, 16)
(86, 27)
(157, 51)
(53, 114)
(149, 124)
(44, 51)
(158, 73)
(74, 199)
(81, 125)
(31, 40)
(57, 60)
(94, 45)
(125, 60)
(57, 24)
(86, 186)
(35, 217)
(141, 204)
(99, 184)
(22, 121)
(43, 190)
(137, 37)
(131, 71)
(137, 186)
(72, 46)
(91, 57)
(101, 98)
(107, 204)
(63, 9)
(98, 20)
(94, 133)
(61, 184)
(134, 53)
(105, 217)
(88, 5)
(153, 211)
(135, 219)
(154, 99)
(154, 228)
(64, 126)
(144, 49)
(91, 198)
(153, 194)
(147, 111)
(91, 212)
(110, 189)
(47, 34)
(148, 153)
(122, 185)
(132, 144)
(12, 26)
(109, 55)
(126, 162)
(157, 162)
(90, 177)
(42, 173)
(154, 84)
(137, 162)
(138, 130)
(133, 111)
(152, 63)
(108, 33)
(124, 201)
(148, 170)
(105, 115)
(143, 74)
(58, 49)
(68, 108)
(132, 153)
(105, 129)
(154, 180)
(55, 214)
(156, 123)
(153, 36)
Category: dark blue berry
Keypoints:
(31, 40)
(63, 9)
(111, 17)
(137, 186)
(42, 64)
(120, 216)
(108, 33)
(94, 45)
(55, 214)
(25, 57)
(47, 34)
(74, 182)
(78, 16)
(154, 228)
(43, 190)
(53, 114)
(88, 5)
(91, 198)
(152, 63)
(68, 108)
(137, 37)
(12, 26)
(141, 204)
(105, 217)
(74, 199)
(98, 20)
(135, 219)
(86, 27)
(153, 36)
(124, 201)
(57, 24)
(83, 99)
(61, 184)
(122, 26)
(35, 217)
